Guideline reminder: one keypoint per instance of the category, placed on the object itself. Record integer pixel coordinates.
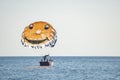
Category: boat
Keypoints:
(46, 62)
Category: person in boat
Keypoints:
(45, 57)
(41, 60)
(50, 59)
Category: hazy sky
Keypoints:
(84, 27)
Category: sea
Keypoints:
(64, 68)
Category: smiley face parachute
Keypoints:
(39, 35)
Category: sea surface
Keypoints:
(65, 68)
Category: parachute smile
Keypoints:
(36, 41)
(50, 43)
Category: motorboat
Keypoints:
(46, 62)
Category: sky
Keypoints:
(84, 27)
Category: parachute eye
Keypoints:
(46, 27)
(30, 26)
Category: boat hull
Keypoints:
(46, 63)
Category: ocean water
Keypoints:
(65, 68)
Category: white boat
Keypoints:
(46, 62)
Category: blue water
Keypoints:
(65, 68)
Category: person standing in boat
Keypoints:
(45, 57)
